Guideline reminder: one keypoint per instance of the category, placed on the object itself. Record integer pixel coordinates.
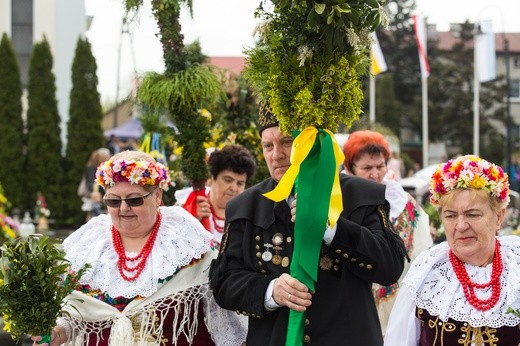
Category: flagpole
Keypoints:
(425, 141)
(476, 102)
(377, 66)
(372, 100)
(476, 91)
(421, 37)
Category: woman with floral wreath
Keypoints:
(460, 292)
(231, 168)
(148, 282)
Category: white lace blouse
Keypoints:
(180, 239)
(431, 284)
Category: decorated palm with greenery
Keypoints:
(310, 60)
(183, 89)
(308, 68)
(34, 281)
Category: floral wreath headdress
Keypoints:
(469, 172)
(139, 172)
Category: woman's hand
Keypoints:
(290, 292)
(203, 208)
(58, 337)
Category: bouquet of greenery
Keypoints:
(34, 280)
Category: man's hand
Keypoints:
(293, 209)
(290, 292)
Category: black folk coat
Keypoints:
(365, 249)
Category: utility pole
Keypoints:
(124, 30)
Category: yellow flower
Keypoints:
(10, 233)
(177, 151)
(205, 113)
(478, 182)
(7, 324)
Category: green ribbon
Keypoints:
(46, 339)
(315, 181)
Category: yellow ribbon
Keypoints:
(301, 147)
(145, 146)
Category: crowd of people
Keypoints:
(161, 275)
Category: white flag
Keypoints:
(485, 51)
(378, 64)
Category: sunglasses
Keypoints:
(130, 201)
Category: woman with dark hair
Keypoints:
(230, 167)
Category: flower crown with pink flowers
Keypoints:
(139, 172)
(469, 172)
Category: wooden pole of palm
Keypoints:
(182, 90)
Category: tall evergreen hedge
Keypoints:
(84, 132)
(44, 161)
(11, 124)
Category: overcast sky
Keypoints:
(224, 28)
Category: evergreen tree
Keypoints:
(44, 169)
(388, 107)
(11, 124)
(84, 132)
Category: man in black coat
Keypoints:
(251, 274)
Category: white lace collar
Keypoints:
(180, 239)
(434, 286)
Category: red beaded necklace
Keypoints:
(469, 287)
(215, 217)
(142, 256)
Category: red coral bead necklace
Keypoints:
(469, 287)
(141, 257)
(215, 217)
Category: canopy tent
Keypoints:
(130, 129)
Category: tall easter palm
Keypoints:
(183, 89)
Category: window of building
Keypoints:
(516, 62)
(514, 91)
(22, 34)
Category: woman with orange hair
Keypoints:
(366, 156)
